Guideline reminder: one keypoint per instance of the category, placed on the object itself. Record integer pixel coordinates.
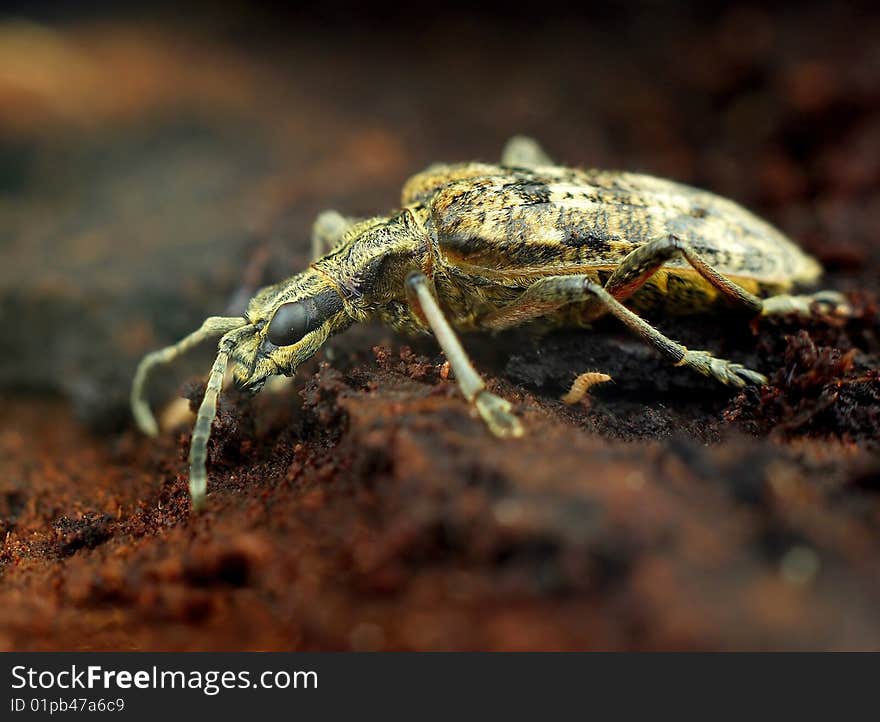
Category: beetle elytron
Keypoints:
(485, 247)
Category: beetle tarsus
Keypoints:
(727, 372)
(829, 303)
(496, 412)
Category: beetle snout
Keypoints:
(252, 369)
(249, 382)
(251, 386)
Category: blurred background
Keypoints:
(158, 160)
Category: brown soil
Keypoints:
(153, 174)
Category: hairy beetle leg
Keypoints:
(635, 270)
(494, 410)
(497, 414)
(826, 302)
(727, 372)
(642, 263)
(557, 291)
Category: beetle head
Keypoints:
(291, 321)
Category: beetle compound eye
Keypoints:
(289, 324)
(294, 320)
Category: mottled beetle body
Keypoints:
(492, 246)
(504, 228)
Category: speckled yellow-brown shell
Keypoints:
(555, 220)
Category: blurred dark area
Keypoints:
(158, 162)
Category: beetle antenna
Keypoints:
(140, 409)
(198, 448)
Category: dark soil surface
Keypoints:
(153, 172)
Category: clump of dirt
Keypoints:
(826, 382)
(87, 532)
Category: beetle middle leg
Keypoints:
(494, 410)
(554, 292)
(524, 152)
(642, 263)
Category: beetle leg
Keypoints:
(327, 231)
(523, 152)
(829, 302)
(554, 292)
(645, 261)
(496, 412)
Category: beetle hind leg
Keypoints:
(642, 263)
(826, 302)
(494, 410)
(554, 292)
(727, 372)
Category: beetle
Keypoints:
(478, 246)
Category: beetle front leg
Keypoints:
(496, 412)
